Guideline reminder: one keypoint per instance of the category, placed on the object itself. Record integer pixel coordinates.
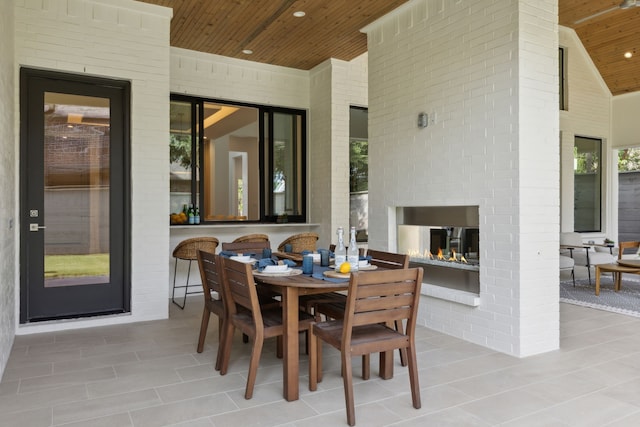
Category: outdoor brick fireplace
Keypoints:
(444, 240)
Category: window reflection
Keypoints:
(587, 184)
(230, 161)
(251, 158)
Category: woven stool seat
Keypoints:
(300, 242)
(188, 250)
(252, 238)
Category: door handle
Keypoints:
(35, 227)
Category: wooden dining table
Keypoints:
(290, 287)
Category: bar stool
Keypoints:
(188, 251)
(252, 238)
(300, 242)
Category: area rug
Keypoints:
(626, 301)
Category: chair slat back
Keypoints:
(381, 297)
(239, 288)
(245, 247)
(209, 273)
(388, 260)
(627, 245)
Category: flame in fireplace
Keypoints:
(454, 257)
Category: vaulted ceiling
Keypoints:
(331, 29)
(608, 31)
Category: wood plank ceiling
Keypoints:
(331, 29)
(607, 33)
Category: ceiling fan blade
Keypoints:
(626, 4)
(595, 15)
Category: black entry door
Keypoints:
(74, 196)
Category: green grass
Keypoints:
(76, 265)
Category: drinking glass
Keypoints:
(307, 264)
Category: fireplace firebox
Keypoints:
(445, 241)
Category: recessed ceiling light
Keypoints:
(628, 55)
(299, 14)
(247, 51)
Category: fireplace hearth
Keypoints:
(445, 241)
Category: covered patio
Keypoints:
(487, 75)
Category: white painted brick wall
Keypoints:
(8, 156)
(219, 77)
(487, 69)
(334, 86)
(321, 151)
(625, 126)
(126, 40)
(539, 196)
(588, 114)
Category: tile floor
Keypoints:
(148, 374)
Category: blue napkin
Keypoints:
(262, 263)
(368, 258)
(228, 254)
(289, 262)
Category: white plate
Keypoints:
(243, 258)
(275, 268)
(289, 272)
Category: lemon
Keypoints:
(345, 267)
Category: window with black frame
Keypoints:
(237, 162)
(562, 79)
(587, 165)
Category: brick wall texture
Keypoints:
(120, 40)
(486, 69)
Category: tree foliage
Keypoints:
(358, 165)
(586, 162)
(629, 160)
(180, 150)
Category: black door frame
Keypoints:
(120, 242)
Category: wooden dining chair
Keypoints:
(375, 300)
(247, 246)
(245, 313)
(333, 307)
(622, 246)
(209, 265)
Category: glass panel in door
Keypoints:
(76, 189)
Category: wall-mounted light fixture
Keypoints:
(423, 120)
